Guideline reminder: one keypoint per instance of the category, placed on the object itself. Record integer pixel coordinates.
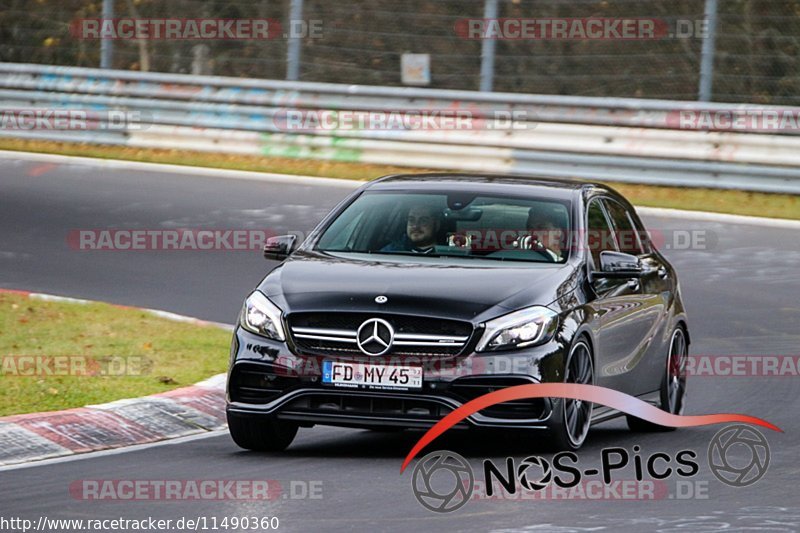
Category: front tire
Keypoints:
(261, 434)
(574, 417)
(673, 384)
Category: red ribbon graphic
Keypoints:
(589, 393)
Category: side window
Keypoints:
(599, 237)
(626, 234)
(644, 235)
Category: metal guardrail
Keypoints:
(611, 139)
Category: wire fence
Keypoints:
(755, 46)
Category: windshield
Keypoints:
(463, 225)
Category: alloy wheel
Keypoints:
(676, 372)
(578, 413)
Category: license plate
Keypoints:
(369, 376)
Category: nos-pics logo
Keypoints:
(444, 481)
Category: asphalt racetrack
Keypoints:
(742, 292)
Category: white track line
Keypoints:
(115, 451)
(206, 172)
(719, 217)
(167, 315)
(348, 184)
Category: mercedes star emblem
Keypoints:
(375, 337)
(381, 299)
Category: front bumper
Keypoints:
(266, 379)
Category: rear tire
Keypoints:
(572, 418)
(261, 434)
(673, 384)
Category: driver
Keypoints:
(548, 235)
(422, 227)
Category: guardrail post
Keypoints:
(488, 47)
(708, 52)
(107, 45)
(293, 46)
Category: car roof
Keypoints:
(487, 183)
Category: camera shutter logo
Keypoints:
(443, 481)
(530, 465)
(738, 440)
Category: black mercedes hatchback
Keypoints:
(419, 293)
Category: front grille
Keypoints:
(367, 405)
(335, 334)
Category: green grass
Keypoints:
(160, 354)
(697, 199)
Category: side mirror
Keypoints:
(279, 248)
(618, 265)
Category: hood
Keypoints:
(472, 290)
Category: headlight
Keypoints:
(262, 317)
(526, 327)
